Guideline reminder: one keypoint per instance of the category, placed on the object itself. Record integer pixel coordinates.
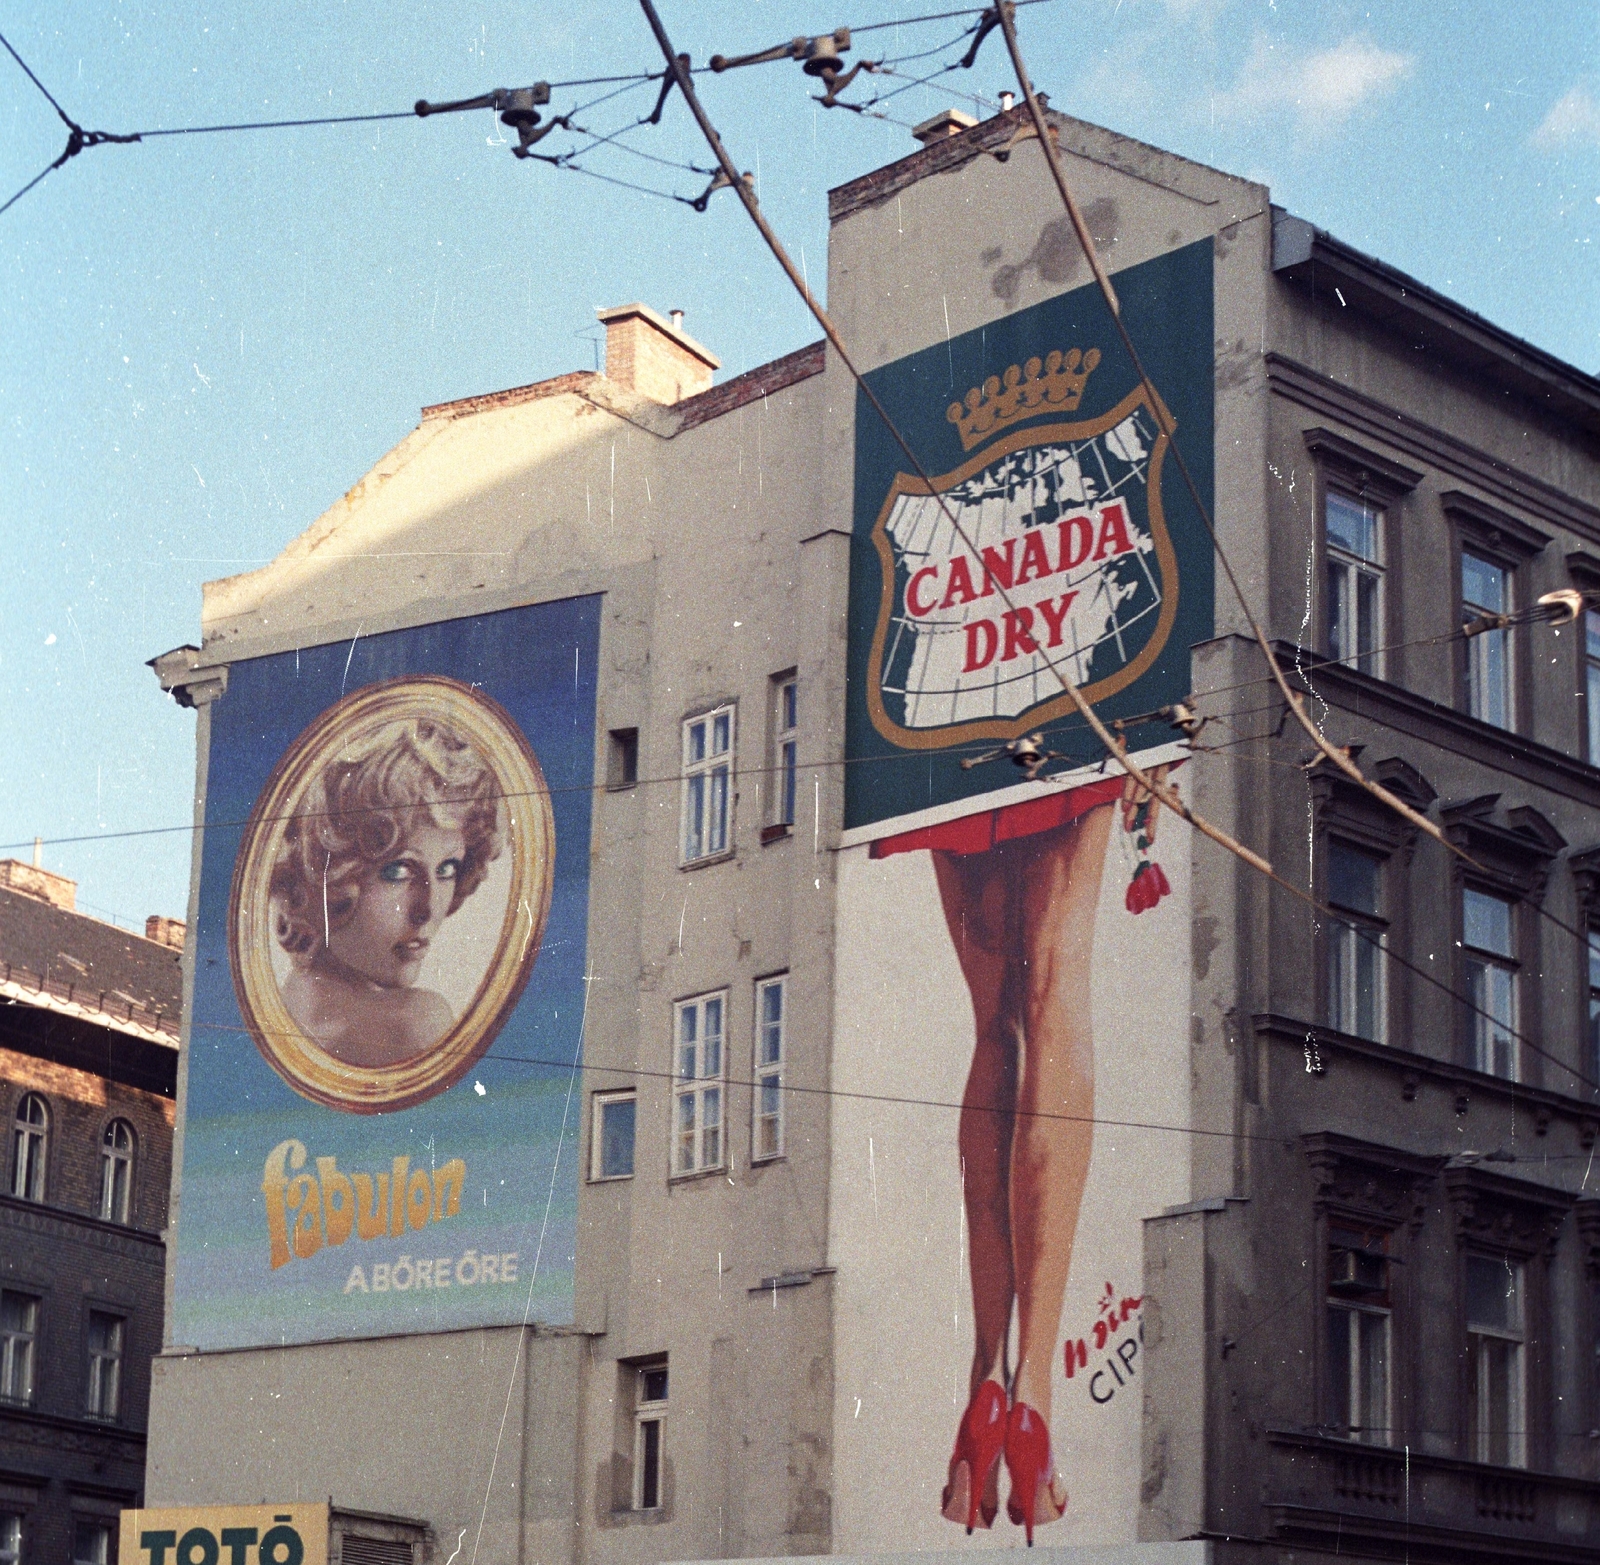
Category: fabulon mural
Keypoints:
(379, 1135)
(1019, 948)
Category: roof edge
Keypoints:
(1310, 257)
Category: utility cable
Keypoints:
(1116, 748)
(1005, 11)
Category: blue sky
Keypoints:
(207, 339)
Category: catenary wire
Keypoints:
(1004, 11)
(49, 168)
(66, 119)
(1116, 750)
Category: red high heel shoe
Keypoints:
(973, 1492)
(1034, 1481)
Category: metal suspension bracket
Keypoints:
(822, 57)
(1028, 754)
(519, 110)
(720, 181)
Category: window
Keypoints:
(1359, 1335)
(771, 1004)
(105, 1364)
(28, 1147)
(1486, 590)
(1495, 1342)
(622, 758)
(612, 1138)
(697, 1085)
(1352, 531)
(1594, 1002)
(10, 1538)
(650, 1429)
(1487, 925)
(785, 747)
(707, 784)
(91, 1544)
(1356, 945)
(116, 1171)
(1591, 682)
(19, 1329)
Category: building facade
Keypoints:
(841, 1139)
(88, 1072)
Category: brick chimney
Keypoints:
(165, 931)
(33, 880)
(655, 357)
(945, 124)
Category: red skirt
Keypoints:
(985, 829)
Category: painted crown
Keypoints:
(1055, 384)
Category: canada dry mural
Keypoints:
(1016, 945)
(380, 1133)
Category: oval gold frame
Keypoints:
(530, 846)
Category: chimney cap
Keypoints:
(621, 312)
(945, 124)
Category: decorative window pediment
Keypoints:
(1492, 529)
(1514, 847)
(1362, 471)
(1368, 1183)
(1350, 810)
(1494, 1212)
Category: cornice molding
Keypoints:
(1417, 717)
(1411, 1069)
(1310, 388)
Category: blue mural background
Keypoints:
(516, 1124)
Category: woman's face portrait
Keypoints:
(399, 906)
(389, 907)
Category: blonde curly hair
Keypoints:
(357, 813)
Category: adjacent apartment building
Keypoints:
(88, 1071)
(659, 1082)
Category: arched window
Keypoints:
(116, 1172)
(29, 1140)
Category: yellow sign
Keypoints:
(226, 1535)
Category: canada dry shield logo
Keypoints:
(1062, 518)
(1056, 541)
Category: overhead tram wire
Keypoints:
(1005, 12)
(1116, 749)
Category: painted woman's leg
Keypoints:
(1060, 891)
(978, 896)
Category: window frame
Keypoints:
(106, 1527)
(1352, 471)
(30, 1150)
(766, 1073)
(1508, 962)
(647, 1412)
(1373, 1241)
(115, 1354)
(699, 1086)
(27, 1334)
(600, 1101)
(1355, 567)
(1379, 923)
(706, 768)
(1509, 543)
(110, 1157)
(1472, 652)
(12, 1521)
(784, 760)
(1479, 1336)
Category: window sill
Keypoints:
(779, 832)
(609, 1179)
(710, 858)
(698, 1174)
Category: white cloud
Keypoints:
(1323, 89)
(1573, 121)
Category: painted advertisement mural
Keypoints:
(380, 1127)
(1012, 1001)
